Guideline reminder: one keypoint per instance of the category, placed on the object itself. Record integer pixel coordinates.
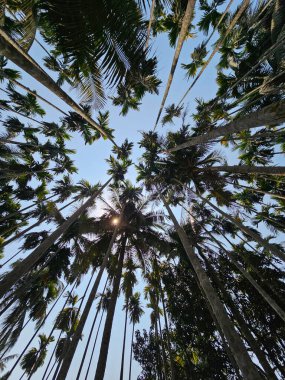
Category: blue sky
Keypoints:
(90, 161)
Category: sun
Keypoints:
(115, 221)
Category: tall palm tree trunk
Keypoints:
(90, 335)
(102, 361)
(270, 115)
(245, 229)
(246, 366)
(246, 169)
(27, 208)
(237, 316)
(164, 359)
(222, 336)
(36, 224)
(70, 350)
(188, 15)
(131, 354)
(21, 269)
(11, 50)
(242, 8)
(173, 377)
(34, 335)
(151, 17)
(280, 196)
(33, 93)
(94, 345)
(159, 366)
(124, 343)
(267, 298)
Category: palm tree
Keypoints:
(135, 224)
(11, 278)
(135, 312)
(243, 327)
(187, 18)
(129, 280)
(269, 115)
(13, 51)
(237, 348)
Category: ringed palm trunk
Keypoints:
(11, 50)
(270, 375)
(21, 269)
(246, 169)
(151, 17)
(273, 114)
(188, 15)
(102, 361)
(245, 229)
(70, 350)
(124, 343)
(131, 355)
(240, 354)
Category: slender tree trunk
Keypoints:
(267, 298)
(151, 17)
(94, 345)
(38, 223)
(188, 16)
(89, 336)
(245, 169)
(11, 50)
(52, 354)
(78, 332)
(245, 229)
(280, 196)
(34, 335)
(159, 366)
(164, 359)
(270, 115)
(173, 376)
(258, 288)
(2, 12)
(102, 361)
(124, 343)
(19, 270)
(222, 336)
(33, 93)
(237, 316)
(26, 208)
(237, 347)
(131, 355)
(242, 8)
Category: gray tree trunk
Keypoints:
(78, 332)
(245, 229)
(22, 268)
(273, 114)
(188, 15)
(11, 50)
(102, 360)
(241, 356)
